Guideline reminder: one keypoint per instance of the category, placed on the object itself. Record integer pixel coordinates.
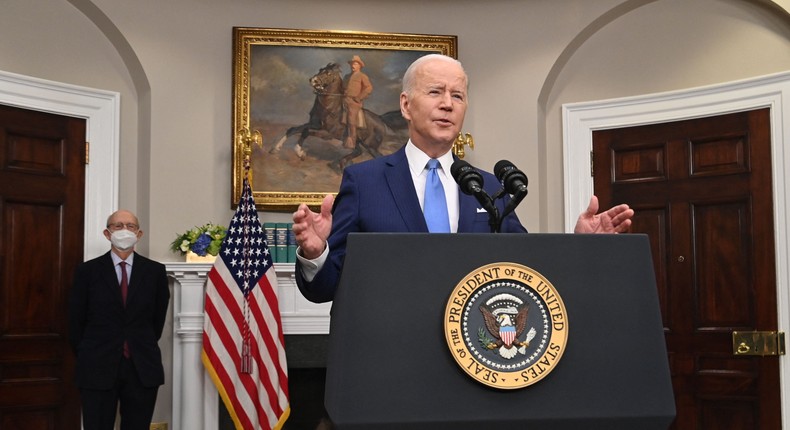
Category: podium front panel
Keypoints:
(389, 366)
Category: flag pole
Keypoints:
(243, 344)
(247, 140)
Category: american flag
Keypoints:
(243, 347)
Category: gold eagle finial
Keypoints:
(461, 141)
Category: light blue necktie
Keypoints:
(435, 203)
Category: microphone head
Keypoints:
(467, 177)
(501, 167)
(510, 177)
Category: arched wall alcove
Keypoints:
(569, 72)
(142, 88)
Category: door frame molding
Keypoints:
(772, 91)
(101, 111)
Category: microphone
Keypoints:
(470, 181)
(514, 180)
(467, 177)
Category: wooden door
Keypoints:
(42, 187)
(702, 191)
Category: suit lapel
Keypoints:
(467, 210)
(110, 276)
(136, 280)
(403, 193)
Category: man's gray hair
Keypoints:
(409, 76)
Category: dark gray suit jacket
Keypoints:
(99, 323)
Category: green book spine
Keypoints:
(291, 244)
(269, 230)
(281, 242)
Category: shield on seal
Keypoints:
(507, 334)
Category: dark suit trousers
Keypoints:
(99, 407)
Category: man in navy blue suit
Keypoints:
(386, 194)
(117, 308)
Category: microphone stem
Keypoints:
(494, 222)
(511, 205)
(488, 205)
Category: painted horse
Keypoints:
(326, 121)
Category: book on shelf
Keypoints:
(281, 241)
(269, 229)
(291, 245)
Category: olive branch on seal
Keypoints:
(486, 341)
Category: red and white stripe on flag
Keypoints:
(508, 335)
(243, 346)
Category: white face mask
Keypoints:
(123, 239)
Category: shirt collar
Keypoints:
(129, 260)
(418, 159)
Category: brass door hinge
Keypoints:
(758, 343)
(87, 153)
(592, 165)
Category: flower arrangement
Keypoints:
(203, 240)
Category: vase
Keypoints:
(191, 257)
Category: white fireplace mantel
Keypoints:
(195, 399)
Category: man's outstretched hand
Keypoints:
(615, 220)
(312, 229)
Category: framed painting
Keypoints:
(290, 120)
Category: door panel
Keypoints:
(701, 190)
(42, 182)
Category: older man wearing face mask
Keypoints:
(117, 308)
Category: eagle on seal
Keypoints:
(507, 325)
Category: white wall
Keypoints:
(171, 62)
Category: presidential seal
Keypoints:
(506, 325)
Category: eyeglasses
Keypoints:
(119, 226)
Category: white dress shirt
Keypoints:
(129, 263)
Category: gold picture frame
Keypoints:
(276, 105)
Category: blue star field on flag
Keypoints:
(245, 251)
